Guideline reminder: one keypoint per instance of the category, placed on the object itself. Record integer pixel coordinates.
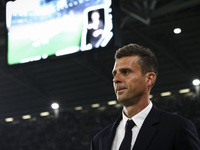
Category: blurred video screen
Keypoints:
(38, 29)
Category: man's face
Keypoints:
(95, 16)
(129, 83)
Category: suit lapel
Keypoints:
(108, 140)
(147, 130)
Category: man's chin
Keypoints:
(121, 99)
(124, 101)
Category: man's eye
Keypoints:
(125, 72)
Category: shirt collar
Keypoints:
(139, 117)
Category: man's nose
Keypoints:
(116, 78)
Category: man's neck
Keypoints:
(132, 110)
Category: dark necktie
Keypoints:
(126, 143)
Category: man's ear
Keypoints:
(150, 79)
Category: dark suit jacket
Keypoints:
(160, 131)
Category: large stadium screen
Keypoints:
(38, 29)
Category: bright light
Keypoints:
(95, 105)
(112, 102)
(26, 117)
(78, 108)
(42, 114)
(102, 108)
(9, 119)
(196, 82)
(55, 106)
(150, 96)
(166, 94)
(118, 105)
(177, 30)
(184, 91)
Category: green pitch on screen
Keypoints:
(19, 49)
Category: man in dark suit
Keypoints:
(142, 126)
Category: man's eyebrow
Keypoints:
(126, 68)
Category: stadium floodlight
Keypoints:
(95, 105)
(26, 117)
(182, 91)
(44, 114)
(150, 96)
(177, 30)
(55, 106)
(196, 82)
(165, 94)
(78, 108)
(112, 102)
(9, 119)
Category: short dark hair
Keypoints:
(147, 61)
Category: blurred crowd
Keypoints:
(73, 130)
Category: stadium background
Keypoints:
(83, 81)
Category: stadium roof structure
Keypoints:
(84, 79)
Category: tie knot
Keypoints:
(130, 124)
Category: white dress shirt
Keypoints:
(120, 131)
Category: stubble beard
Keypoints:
(127, 100)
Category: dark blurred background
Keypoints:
(78, 81)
